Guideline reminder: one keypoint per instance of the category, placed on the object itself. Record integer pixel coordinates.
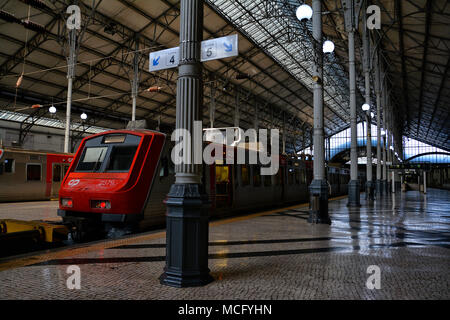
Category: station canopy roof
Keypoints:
(270, 80)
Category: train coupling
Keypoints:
(11, 229)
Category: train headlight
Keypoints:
(100, 204)
(67, 202)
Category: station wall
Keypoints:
(39, 137)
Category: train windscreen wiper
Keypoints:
(96, 162)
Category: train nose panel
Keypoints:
(94, 185)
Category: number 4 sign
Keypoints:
(164, 59)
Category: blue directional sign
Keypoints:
(164, 59)
(219, 48)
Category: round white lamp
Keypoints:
(365, 107)
(83, 116)
(52, 109)
(304, 12)
(328, 46)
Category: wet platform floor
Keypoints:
(272, 255)
(31, 210)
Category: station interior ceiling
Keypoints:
(270, 81)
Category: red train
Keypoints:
(37, 175)
(122, 177)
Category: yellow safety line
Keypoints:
(81, 249)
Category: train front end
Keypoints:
(110, 178)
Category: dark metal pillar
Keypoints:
(318, 189)
(187, 215)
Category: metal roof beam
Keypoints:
(424, 60)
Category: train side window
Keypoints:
(56, 173)
(222, 174)
(245, 175)
(9, 165)
(33, 172)
(256, 176)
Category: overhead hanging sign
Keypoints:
(164, 59)
(219, 48)
(212, 49)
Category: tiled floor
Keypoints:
(274, 256)
(33, 210)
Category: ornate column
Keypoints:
(318, 189)
(351, 13)
(366, 65)
(187, 215)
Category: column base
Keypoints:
(186, 237)
(318, 202)
(185, 281)
(353, 194)
(370, 188)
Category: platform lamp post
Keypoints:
(369, 183)
(351, 15)
(318, 188)
(187, 202)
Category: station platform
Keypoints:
(275, 254)
(30, 210)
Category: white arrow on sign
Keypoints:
(212, 49)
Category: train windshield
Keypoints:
(115, 158)
(121, 158)
(92, 159)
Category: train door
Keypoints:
(57, 175)
(224, 187)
